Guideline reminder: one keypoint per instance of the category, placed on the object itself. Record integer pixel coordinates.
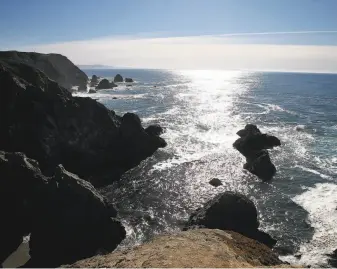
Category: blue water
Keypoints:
(202, 111)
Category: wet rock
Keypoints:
(253, 145)
(230, 211)
(215, 182)
(103, 84)
(66, 217)
(333, 259)
(118, 78)
(42, 119)
(154, 130)
(91, 91)
(129, 80)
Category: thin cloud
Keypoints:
(198, 52)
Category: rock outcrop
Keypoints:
(215, 182)
(91, 91)
(154, 129)
(103, 84)
(118, 78)
(230, 211)
(202, 248)
(42, 119)
(253, 145)
(66, 217)
(128, 80)
(57, 67)
(94, 79)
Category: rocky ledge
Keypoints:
(67, 219)
(42, 119)
(57, 67)
(202, 248)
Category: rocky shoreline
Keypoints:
(56, 149)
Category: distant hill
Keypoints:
(56, 66)
(96, 66)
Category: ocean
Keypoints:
(201, 112)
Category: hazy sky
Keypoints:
(293, 35)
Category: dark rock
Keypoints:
(42, 119)
(94, 79)
(91, 91)
(215, 182)
(103, 84)
(253, 145)
(118, 78)
(261, 165)
(113, 85)
(66, 217)
(155, 130)
(128, 80)
(114, 97)
(333, 259)
(57, 67)
(230, 211)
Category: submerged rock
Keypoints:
(215, 182)
(202, 248)
(103, 84)
(129, 80)
(118, 78)
(66, 217)
(253, 145)
(230, 211)
(42, 119)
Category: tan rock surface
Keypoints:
(193, 248)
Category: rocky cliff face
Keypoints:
(57, 67)
(202, 248)
(67, 219)
(42, 119)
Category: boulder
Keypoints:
(94, 79)
(202, 248)
(155, 130)
(230, 211)
(103, 84)
(42, 119)
(92, 91)
(66, 217)
(118, 78)
(128, 80)
(253, 145)
(215, 182)
(57, 67)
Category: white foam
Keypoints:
(299, 128)
(321, 203)
(313, 172)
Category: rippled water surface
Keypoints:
(202, 111)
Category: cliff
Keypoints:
(57, 67)
(194, 248)
(42, 119)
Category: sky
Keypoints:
(275, 35)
